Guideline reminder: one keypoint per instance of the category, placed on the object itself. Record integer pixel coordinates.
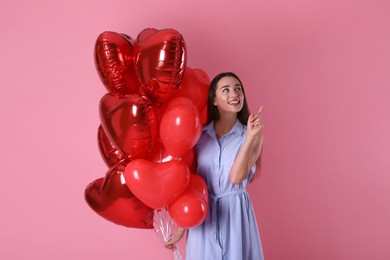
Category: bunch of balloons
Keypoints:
(151, 119)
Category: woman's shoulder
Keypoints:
(239, 128)
(206, 134)
(208, 129)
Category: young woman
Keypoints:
(227, 152)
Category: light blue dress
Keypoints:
(230, 230)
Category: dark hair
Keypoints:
(242, 115)
(212, 110)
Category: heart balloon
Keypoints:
(198, 187)
(194, 86)
(203, 116)
(115, 63)
(190, 209)
(160, 63)
(110, 154)
(146, 33)
(110, 198)
(180, 127)
(156, 184)
(131, 124)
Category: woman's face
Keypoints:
(229, 97)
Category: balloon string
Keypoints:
(163, 225)
(176, 254)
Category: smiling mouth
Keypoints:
(234, 102)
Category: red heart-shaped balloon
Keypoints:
(131, 123)
(190, 209)
(198, 187)
(195, 86)
(110, 154)
(146, 33)
(156, 184)
(160, 63)
(115, 62)
(111, 199)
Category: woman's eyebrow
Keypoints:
(227, 86)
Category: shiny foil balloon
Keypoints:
(131, 124)
(110, 198)
(190, 209)
(160, 63)
(110, 154)
(156, 184)
(180, 127)
(115, 63)
(145, 33)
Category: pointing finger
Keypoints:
(260, 109)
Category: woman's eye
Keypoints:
(238, 89)
(225, 90)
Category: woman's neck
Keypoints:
(224, 124)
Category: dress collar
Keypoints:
(238, 128)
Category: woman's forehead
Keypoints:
(228, 81)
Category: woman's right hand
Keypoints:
(255, 124)
(174, 238)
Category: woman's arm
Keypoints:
(250, 151)
(256, 151)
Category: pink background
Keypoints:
(319, 67)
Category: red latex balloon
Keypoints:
(203, 116)
(156, 184)
(110, 154)
(131, 124)
(180, 127)
(202, 76)
(115, 64)
(161, 63)
(190, 209)
(198, 187)
(110, 198)
(194, 86)
(159, 154)
(203, 84)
